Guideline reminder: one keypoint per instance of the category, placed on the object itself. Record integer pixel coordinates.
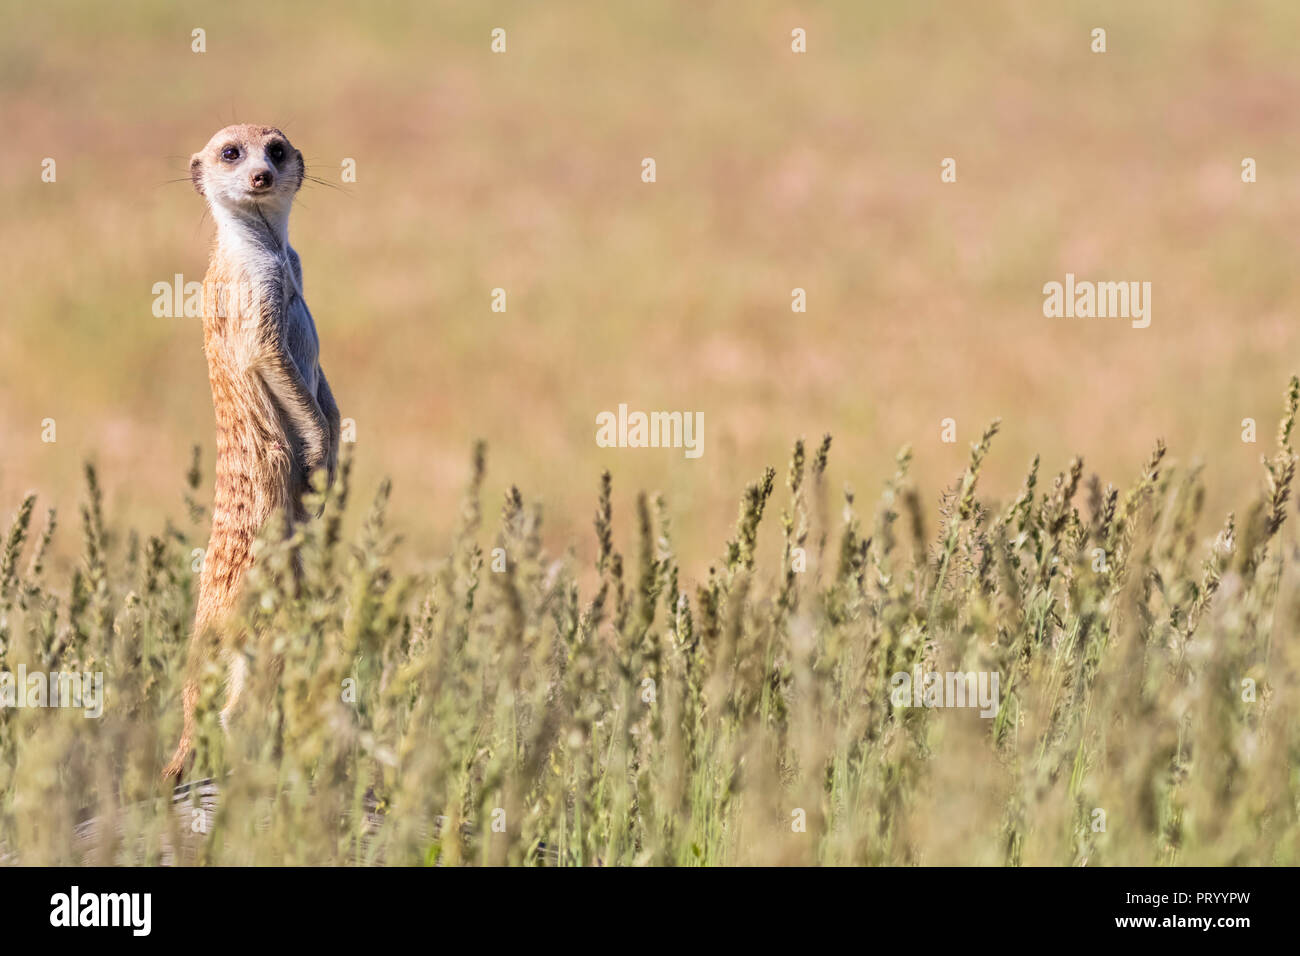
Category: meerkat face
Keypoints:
(246, 168)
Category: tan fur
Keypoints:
(276, 417)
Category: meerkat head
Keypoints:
(248, 169)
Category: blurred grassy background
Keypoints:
(775, 170)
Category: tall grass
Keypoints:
(489, 712)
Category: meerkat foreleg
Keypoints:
(325, 398)
(280, 373)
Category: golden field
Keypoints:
(775, 170)
(404, 692)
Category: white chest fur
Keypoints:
(267, 263)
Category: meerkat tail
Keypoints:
(176, 766)
(218, 592)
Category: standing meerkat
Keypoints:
(276, 418)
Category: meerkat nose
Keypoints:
(261, 179)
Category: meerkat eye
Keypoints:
(276, 151)
(230, 153)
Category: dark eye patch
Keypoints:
(276, 152)
(230, 153)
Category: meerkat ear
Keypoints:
(196, 173)
(302, 167)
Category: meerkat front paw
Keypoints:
(316, 457)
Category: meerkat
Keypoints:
(276, 419)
